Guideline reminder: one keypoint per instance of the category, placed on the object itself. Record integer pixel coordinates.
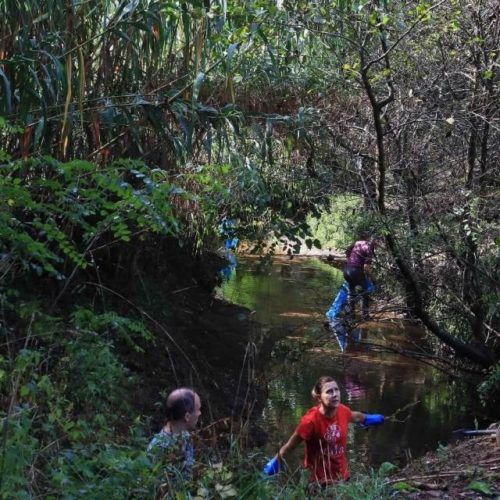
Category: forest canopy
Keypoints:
(126, 124)
(261, 111)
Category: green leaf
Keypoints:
(230, 54)
(480, 487)
(39, 130)
(197, 85)
(386, 468)
(7, 92)
(403, 486)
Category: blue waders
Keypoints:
(338, 314)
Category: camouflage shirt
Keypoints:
(175, 450)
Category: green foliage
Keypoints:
(489, 389)
(370, 486)
(113, 325)
(97, 378)
(481, 487)
(18, 454)
(96, 469)
(237, 475)
(386, 469)
(68, 392)
(403, 486)
(442, 454)
(58, 214)
(105, 471)
(341, 223)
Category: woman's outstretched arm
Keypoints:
(367, 419)
(357, 417)
(274, 465)
(290, 445)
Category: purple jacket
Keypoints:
(360, 253)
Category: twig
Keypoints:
(420, 357)
(396, 43)
(159, 325)
(392, 417)
(77, 267)
(182, 290)
(438, 475)
(104, 146)
(491, 460)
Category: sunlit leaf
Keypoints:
(480, 487)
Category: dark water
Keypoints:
(289, 299)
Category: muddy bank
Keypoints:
(207, 348)
(467, 469)
(199, 340)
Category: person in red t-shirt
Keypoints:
(324, 430)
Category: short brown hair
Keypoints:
(318, 386)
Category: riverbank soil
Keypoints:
(210, 354)
(198, 340)
(467, 469)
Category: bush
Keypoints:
(489, 389)
(341, 222)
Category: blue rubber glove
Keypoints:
(370, 286)
(372, 419)
(272, 467)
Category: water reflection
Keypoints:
(290, 298)
(344, 335)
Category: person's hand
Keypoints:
(272, 467)
(372, 419)
(368, 269)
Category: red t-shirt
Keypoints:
(326, 440)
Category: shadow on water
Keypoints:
(289, 299)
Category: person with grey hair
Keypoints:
(173, 444)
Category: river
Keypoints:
(290, 298)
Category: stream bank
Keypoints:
(467, 469)
(199, 340)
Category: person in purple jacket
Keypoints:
(358, 268)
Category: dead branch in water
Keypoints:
(424, 357)
(392, 417)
